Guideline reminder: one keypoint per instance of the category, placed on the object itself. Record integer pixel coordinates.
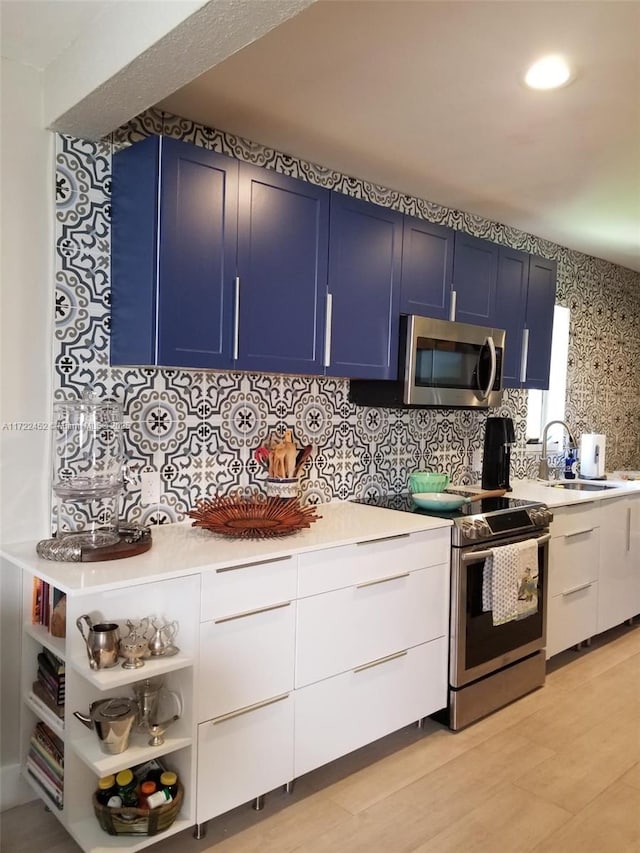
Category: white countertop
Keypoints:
(180, 549)
(534, 490)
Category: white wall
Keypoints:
(26, 305)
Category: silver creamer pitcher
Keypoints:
(102, 641)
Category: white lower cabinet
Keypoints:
(291, 678)
(619, 595)
(340, 714)
(571, 618)
(243, 755)
(344, 628)
(245, 658)
(574, 558)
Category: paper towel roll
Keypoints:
(592, 453)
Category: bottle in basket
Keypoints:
(169, 781)
(159, 798)
(127, 788)
(106, 789)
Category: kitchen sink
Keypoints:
(583, 487)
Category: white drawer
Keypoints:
(244, 756)
(245, 658)
(348, 565)
(571, 618)
(248, 586)
(574, 559)
(570, 519)
(342, 629)
(335, 716)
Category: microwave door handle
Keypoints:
(494, 366)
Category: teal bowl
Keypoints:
(427, 481)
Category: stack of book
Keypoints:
(45, 762)
(44, 600)
(49, 685)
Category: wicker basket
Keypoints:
(135, 821)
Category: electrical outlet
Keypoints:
(150, 486)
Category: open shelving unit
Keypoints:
(84, 759)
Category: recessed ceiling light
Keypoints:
(550, 72)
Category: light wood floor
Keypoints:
(559, 770)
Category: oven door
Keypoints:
(478, 647)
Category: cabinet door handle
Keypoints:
(236, 319)
(382, 580)
(453, 305)
(578, 532)
(233, 714)
(524, 356)
(380, 661)
(628, 528)
(328, 320)
(256, 563)
(577, 588)
(252, 612)
(384, 539)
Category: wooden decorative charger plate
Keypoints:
(243, 518)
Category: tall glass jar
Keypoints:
(87, 477)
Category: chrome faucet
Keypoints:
(543, 467)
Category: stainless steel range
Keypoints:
(489, 665)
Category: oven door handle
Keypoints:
(472, 556)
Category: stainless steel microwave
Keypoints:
(440, 364)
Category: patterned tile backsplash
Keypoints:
(199, 428)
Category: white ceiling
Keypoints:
(424, 97)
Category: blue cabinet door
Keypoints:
(427, 266)
(541, 297)
(134, 242)
(511, 300)
(365, 257)
(283, 232)
(174, 234)
(197, 256)
(475, 275)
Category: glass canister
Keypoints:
(87, 459)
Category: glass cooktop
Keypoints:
(404, 503)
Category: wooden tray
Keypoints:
(134, 539)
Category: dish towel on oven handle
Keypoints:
(510, 581)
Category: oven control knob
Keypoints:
(481, 528)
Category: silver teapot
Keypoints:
(112, 720)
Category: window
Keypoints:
(545, 406)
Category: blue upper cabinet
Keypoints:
(283, 233)
(541, 297)
(174, 236)
(511, 302)
(475, 276)
(365, 256)
(524, 308)
(427, 267)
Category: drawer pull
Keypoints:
(384, 539)
(382, 580)
(252, 612)
(233, 714)
(578, 532)
(628, 528)
(578, 588)
(248, 565)
(380, 661)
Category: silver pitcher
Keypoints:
(102, 641)
(112, 720)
